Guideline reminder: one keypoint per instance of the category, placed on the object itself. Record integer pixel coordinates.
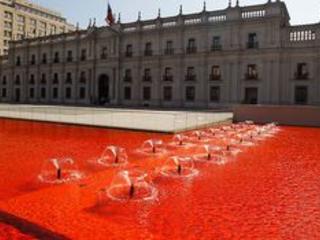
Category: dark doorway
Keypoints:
(251, 95)
(17, 95)
(103, 95)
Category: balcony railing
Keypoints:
(103, 56)
(169, 51)
(191, 78)
(69, 59)
(128, 54)
(301, 76)
(215, 48)
(148, 52)
(252, 45)
(215, 77)
(249, 76)
(127, 79)
(147, 79)
(191, 50)
(167, 78)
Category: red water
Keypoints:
(270, 191)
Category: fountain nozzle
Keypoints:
(131, 191)
(59, 173)
(179, 169)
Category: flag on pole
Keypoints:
(110, 18)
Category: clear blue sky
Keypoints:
(301, 11)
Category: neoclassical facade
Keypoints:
(209, 59)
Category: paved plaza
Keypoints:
(135, 119)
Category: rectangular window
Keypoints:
(68, 93)
(191, 48)
(56, 57)
(251, 95)
(216, 44)
(168, 74)
(43, 93)
(127, 75)
(148, 49)
(302, 71)
(215, 73)
(252, 73)
(190, 93)
(169, 48)
(301, 95)
(215, 94)
(127, 93)
(31, 93)
(55, 93)
(33, 59)
(167, 93)
(252, 41)
(83, 54)
(146, 93)
(69, 56)
(18, 61)
(147, 75)
(190, 74)
(104, 53)
(69, 78)
(82, 94)
(44, 58)
(4, 92)
(55, 78)
(129, 50)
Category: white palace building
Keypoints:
(209, 59)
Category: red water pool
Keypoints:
(269, 191)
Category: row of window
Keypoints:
(43, 79)
(56, 57)
(44, 92)
(169, 50)
(216, 45)
(251, 94)
(190, 93)
(215, 75)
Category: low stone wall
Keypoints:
(284, 115)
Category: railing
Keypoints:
(252, 45)
(147, 79)
(191, 50)
(250, 77)
(191, 78)
(148, 52)
(299, 35)
(214, 77)
(127, 79)
(253, 14)
(301, 76)
(128, 54)
(168, 78)
(215, 48)
(218, 18)
(169, 51)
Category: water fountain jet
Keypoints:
(59, 170)
(131, 185)
(113, 156)
(179, 166)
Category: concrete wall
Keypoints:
(284, 115)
